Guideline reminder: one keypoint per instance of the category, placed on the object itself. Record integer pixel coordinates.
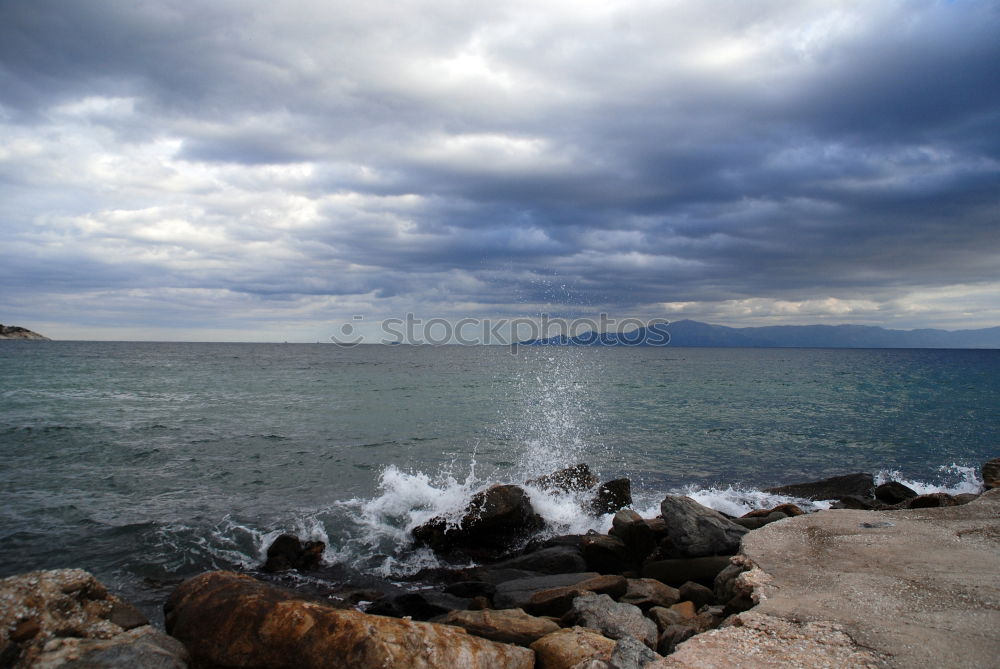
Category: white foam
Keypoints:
(955, 480)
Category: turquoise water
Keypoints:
(148, 462)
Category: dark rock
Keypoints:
(965, 498)
(605, 554)
(497, 576)
(697, 593)
(649, 592)
(697, 531)
(496, 519)
(517, 593)
(418, 605)
(142, 646)
(855, 502)
(288, 552)
(506, 626)
(730, 591)
(565, 540)
(930, 500)
(639, 536)
(756, 522)
(554, 560)
(630, 653)
(860, 484)
(788, 509)
(471, 589)
(673, 636)
(571, 479)
(557, 601)
(612, 496)
(612, 619)
(232, 620)
(991, 474)
(894, 492)
(664, 617)
(677, 572)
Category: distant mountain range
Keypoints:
(694, 333)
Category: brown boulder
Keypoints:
(557, 601)
(506, 625)
(495, 519)
(788, 509)
(576, 478)
(232, 620)
(991, 474)
(930, 500)
(648, 592)
(605, 554)
(287, 552)
(571, 646)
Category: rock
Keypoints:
(631, 654)
(569, 647)
(664, 617)
(709, 618)
(930, 500)
(612, 496)
(894, 492)
(673, 636)
(422, 605)
(288, 552)
(732, 590)
(648, 592)
(506, 626)
(964, 498)
(517, 593)
(233, 620)
(17, 332)
(697, 593)
(48, 616)
(788, 509)
(553, 560)
(757, 522)
(605, 554)
(614, 620)
(471, 589)
(860, 484)
(143, 647)
(557, 601)
(991, 474)
(855, 502)
(639, 536)
(496, 519)
(698, 531)
(677, 572)
(571, 479)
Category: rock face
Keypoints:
(232, 620)
(15, 332)
(894, 492)
(47, 618)
(287, 552)
(991, 474)
(697, 531)
(576, 478)
(611, 496)
(613, 619)
(495, 519)
(506, 626)
(860, 485)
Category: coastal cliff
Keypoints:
(16, 332)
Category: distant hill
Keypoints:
(15, 332)
(694, 333)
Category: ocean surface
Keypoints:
(146, 463)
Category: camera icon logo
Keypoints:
(347, 335)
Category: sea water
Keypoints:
(146, 463)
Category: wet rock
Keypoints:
(629, 653)
(894, 492)
(697, 593)
(605, 554)
(673, 636)
(698, 531)
(855, 502)
(45, 611)
(496, 519)
(517, 593)
(639, 536)
(232, 620)
(991, 474)
(553, 560)
(860, 484)
(506, 626)
(930, 500)
(471, 589)
(756, 522)
(648, 592)
(613, 619)
(571, 479)
(418, 605)
(679, 571)
(612, 496)
(788, 509)
(557, 601)
(288, 552)
(569, 647)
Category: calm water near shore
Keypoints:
(150, 462)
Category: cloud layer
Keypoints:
(253, 170)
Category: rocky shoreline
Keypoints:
(652, 592)
(17, 332)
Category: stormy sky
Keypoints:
(265, 171)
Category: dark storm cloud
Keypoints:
(437, 155)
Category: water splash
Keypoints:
(955, 480)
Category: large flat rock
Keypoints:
(909, 589)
